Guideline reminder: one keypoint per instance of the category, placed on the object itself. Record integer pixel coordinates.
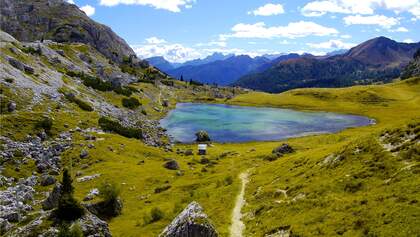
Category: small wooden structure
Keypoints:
(202, 149)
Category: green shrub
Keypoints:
(91, 81)
(155, 215)
(123, 91)
(96, 83)
(74, 231)
(81, 103)
(108, 124)
(109, 192)
(228, 180)
(45, 123)
(110, 206)
(131, 103)
(32, 50)
(145, 81)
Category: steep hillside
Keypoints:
(413, 68)
(61, 22)
(221, 72)
(377, 60)
(58, 111)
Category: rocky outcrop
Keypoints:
(92, 226)
(59, 21)
(13, 200)
(413, 68)
(51, 201)
(191, 222)
(283, 149)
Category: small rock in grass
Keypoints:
(47, 180)
(171, 165)
(84, 154)
(11, 106)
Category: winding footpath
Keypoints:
(238, 226)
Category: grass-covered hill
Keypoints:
(359, 182)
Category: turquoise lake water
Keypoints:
(226, 123)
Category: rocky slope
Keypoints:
(61, 22)
(375, 61)
(54, 96)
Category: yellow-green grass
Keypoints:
(326, 207)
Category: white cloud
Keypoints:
(408, 41)
(71, 1)
(268, 10)
(292, 30)
(331, 44)
(346, 36)
(380, 20)
(158, 47)
(400, 29)
(319, 8)
(155, 40)
(362, 7)
(88, 9)
(212, 43)
(170, 5)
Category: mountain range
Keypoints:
(218, 68)
(375, 61)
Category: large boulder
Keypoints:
(191, 222)
(52, 200)
(91, 225)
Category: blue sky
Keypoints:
(182, 30)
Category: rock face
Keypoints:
(52, 199)
(92, 226)
(13, 200)
(59, 21)
(191, 222)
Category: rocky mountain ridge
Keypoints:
(62, 22)
(375, 61)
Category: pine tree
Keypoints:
(69, 208)
(182, 78)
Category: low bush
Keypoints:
(74, 231)
(108, 124)
(131, 103)
(32, 50)
(81, 103)
(111, 205)
(91, 81)
(155, 215)
(123, 91)
(45, 123)
(228, 180)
